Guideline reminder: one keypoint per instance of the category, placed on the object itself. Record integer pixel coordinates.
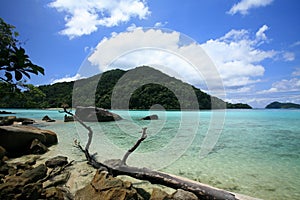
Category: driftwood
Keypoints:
(119, 167)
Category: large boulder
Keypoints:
(94, 114)
(18, 139)
(150, 117)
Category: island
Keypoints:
(278, 105)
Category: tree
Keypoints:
(14, 62)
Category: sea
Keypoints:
(255, 152)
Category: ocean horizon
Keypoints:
(253, 152)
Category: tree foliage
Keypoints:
(14, 62)
(137, 85)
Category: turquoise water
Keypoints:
(255, 152)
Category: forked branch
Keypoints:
(143, 137)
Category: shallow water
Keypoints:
(257, 152)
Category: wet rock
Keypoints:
(37, 147)
(150, 117)
(94, 114)
(184, 195)
(57, 161)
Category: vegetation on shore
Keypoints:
(278, 105)
(145, 95)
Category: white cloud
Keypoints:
(238, 57)
(85, 16)
(260, 34)
(296, 44)
(166, 51)
(285, 85)
(160, 24)
(68, 78)
(244, 5)
(288, 56)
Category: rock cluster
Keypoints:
(10, 120)
(27, 181)
(106, 187)
(21, 140)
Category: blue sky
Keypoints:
(254, 44)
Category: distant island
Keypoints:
(143, 98)
(278, 105)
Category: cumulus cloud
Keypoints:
(68, 78)
(167, 51)
(85, 16)
(238, 57)
(284, 85)
(244, 6)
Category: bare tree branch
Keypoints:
(90, 131)
(143, 137)
(119, 167)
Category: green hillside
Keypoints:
(278, 105)
(139, 88)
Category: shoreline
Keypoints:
(81, 175)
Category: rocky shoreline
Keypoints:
(44, 175)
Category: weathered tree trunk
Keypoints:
(119, 167)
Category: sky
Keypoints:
(251, 47)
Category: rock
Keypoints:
(31, 191)
(57, 161)
(158, 194)
(57, 180)
(7, 121)
(25, 121)
(107, 187)
(150, 117)
(94, 114)
(2, 153)
(53, 193)
(17, 139)
(5, 112)
(68, 118)
(184, 195)
(47, 119)
(37, 147)
(35, 174)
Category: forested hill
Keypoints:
(138, 87)
(278, 105)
